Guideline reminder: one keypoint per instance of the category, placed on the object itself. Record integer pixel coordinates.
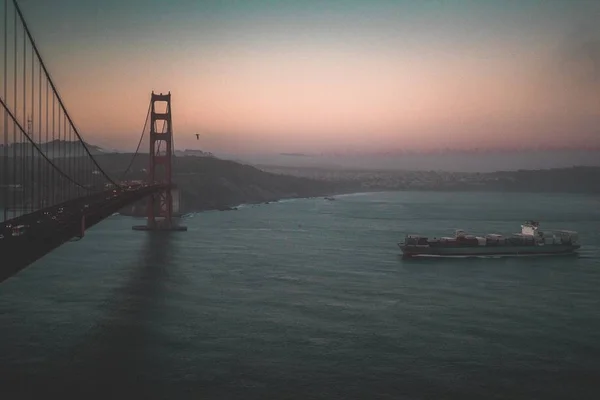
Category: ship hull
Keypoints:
(448, 251)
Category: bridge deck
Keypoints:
(27, 238)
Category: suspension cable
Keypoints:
(43, 65)
(11, 115)
(139, 143)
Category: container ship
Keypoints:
(531, 241)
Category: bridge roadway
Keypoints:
(29, 237)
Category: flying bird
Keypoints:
(197, 136)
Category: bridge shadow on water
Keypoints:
(115, 358)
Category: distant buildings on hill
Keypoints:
(193, 153)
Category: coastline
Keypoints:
(336, 194)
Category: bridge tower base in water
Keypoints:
(160, 205)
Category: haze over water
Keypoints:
(309, 299)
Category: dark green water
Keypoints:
(309, 299)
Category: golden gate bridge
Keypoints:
(52, 188)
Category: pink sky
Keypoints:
(281, 89)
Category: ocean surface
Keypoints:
(309, 299)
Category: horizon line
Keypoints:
(384, 153)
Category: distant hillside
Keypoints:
(566, 180)
(211, 183)
(192, 153)
(54, 149)
(444, 161)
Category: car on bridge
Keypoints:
(19, 230)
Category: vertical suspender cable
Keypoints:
(32, 133)
(39, 164)
(24, 164)
(5, 94)
(14, 180)
(61, 104)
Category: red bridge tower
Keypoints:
(160, 204)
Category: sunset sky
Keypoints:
(324, 76)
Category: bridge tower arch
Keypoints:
(159, 208)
